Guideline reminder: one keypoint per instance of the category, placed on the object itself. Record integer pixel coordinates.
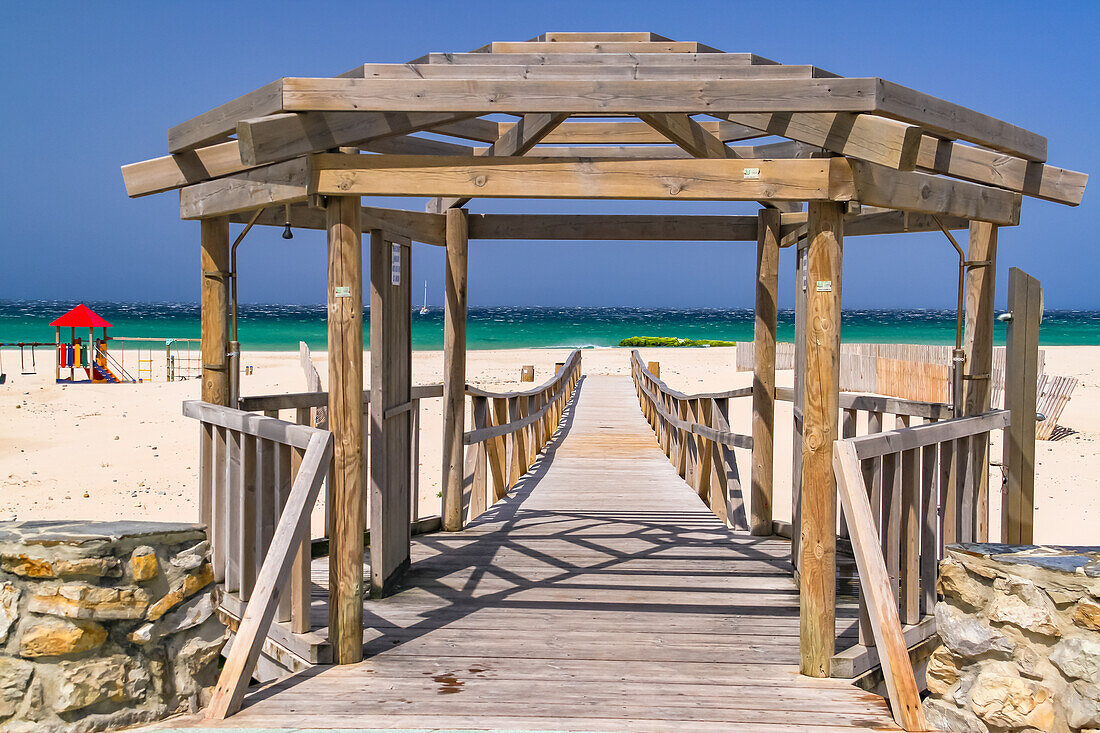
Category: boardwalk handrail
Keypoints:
(505, 440)
(697, 439)
(887, 487)
(258, 514)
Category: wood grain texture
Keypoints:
(532, 177)
(214, 315)
(603, 560)
(345, 414)
(1025, 297)
(454, 367)
(817, 526)
(763, 380)
(391, 386)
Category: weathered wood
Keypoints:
(626, 227)
(276, 184)
(237, 672)
(763, 380)
(515, 141)
(531, 177)
(798, 400)
(391, 383)
(454, 367)
(591, 71)
(287, 135)
(896, 441)
(882, 607)
(978, 348)
(345, 414)
(877, 185)
(214, 329)
(598, 47)
(875, 139)
(822, 387)
(1025, 298)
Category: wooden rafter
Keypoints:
(591, 71)
(516, 140)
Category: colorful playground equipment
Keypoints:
(90, 356)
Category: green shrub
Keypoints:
(639, 341)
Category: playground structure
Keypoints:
(91, 356)
(181, 357)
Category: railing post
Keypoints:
(1025, 298)
(454, 368)
(981, 268)
(817, 580)
(763, 381)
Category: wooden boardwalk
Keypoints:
(600, 595)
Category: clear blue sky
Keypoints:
(90, 86)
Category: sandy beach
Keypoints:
(125, 451)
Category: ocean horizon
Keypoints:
(273, 327)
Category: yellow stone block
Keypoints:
(55, 637)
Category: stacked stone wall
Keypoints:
(104, 624)
(1020, 633)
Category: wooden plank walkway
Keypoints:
(601, 595)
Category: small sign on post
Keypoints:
(395, 264)
(527, 373)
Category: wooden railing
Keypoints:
(259, 479)
(694, 432)
(506, 439)
(892, 486)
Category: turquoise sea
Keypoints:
(281, 327)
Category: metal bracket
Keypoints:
(977, 263)
(220, 275)
(975, 377)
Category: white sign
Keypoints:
(342, 291)
(752, 174)
(824, 286)
(395, 264)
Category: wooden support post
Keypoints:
(978, 346)
(1025, 298)
(345, 416)
(799, 400)
(817, 581)
(454, 367)
(215, 310)
(391, 386)
(763, 379)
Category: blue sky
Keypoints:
(90, 86)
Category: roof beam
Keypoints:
(998, 169)
(214, 125)
(784, 149)
(878, 185)
(879, 140)
(557, 57)
(593, 71)
(282, 136)
(414, 225)
(516, 140)
(500, 47)
(493, 177)
(609, 36)
(699, 143)
(599, 227)
(277, 184)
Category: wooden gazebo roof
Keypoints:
(665, 120)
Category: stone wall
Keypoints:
(1020, 632)
(104, 624)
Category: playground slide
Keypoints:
(105, 374)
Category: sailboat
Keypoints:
(424, 308)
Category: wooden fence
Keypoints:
(900, 499)
(509, 430)
(694, 432)
(259, 479)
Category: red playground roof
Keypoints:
(81, 317)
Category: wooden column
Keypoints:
(454, 367)
(390, 416)
(799, 400)
(214, 234)
(345, 417)
(978, 346)
(1025, 304)
(763, 380)
(817, 582)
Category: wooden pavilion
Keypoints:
(598, 116)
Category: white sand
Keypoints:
(125, 451)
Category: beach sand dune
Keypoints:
(126, 451)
